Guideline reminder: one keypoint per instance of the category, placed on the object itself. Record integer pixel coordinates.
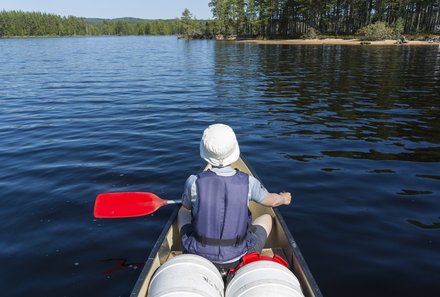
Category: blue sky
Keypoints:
(145, 9)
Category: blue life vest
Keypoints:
(220, 227)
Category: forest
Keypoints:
(292, 18)
(25, 24)
(249, 19)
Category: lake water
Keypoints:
(351, 131)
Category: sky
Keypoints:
(110, 9)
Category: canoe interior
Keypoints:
(280, 241)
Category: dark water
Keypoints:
(352, 132)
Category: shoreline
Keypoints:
(336, 41)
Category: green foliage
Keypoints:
(251, 18)
(235, 17)
(399, 27)
(311, 33)
(17, 23)
(22, 24)
(291, 18)
(189, 27)
(376, 31)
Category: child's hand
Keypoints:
(287, 197)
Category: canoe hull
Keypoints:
(280, 241)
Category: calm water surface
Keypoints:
(352, 132)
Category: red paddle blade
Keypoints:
(126, 204)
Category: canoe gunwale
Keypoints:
(154, 251)
(302, 270)
(297, 261)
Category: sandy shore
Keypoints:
(333, 41)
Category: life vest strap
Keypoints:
(219, 242)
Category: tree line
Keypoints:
(247, 18)
(291, 18)
(20, 24)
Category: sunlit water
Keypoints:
(352, 132)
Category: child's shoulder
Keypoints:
(190, 180)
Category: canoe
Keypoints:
(280, 242)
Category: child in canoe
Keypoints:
(214, 220)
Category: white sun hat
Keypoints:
(219, 145)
